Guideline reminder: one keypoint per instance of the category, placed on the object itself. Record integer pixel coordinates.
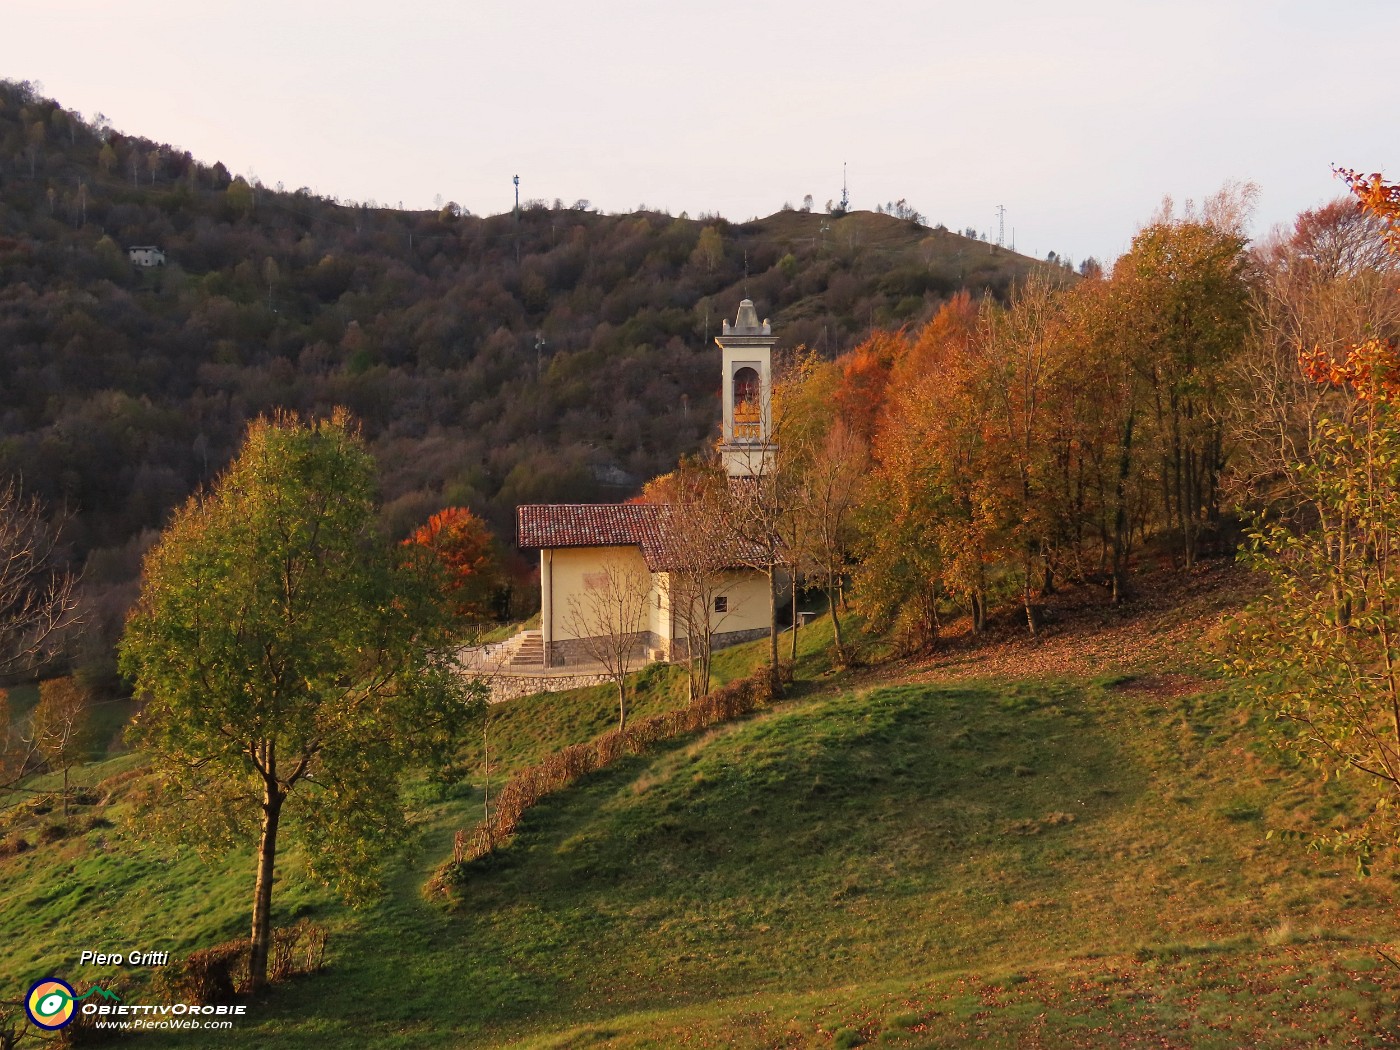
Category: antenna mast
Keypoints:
(1001, 225)
(845, 197)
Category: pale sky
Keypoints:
(1078, 116)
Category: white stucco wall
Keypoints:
(746, 592)
(564, 586)
(564, 574)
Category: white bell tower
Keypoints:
(747, 447)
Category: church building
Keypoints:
(626, 550)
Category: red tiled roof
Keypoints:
(644, 525)
(588, 524)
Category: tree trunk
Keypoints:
(775, 678)
(262, 891)
(792, 649)
(836, 624)
(622, 703)
(1122, 527)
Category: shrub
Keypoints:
(297, 949)
(209, 976)
(216, 976)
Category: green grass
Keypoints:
(1012, 863)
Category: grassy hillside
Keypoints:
(902, 857)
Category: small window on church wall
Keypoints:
(722, 604)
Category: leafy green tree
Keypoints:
(709, 249)
(239, 196)
(288, 655)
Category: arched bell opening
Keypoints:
(748, 409)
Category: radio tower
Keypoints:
(1001, 225)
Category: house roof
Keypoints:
(644, 525)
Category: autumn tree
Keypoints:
(1378, 198)
(1181, 294)
(469, 554)
(293, 665)
(1017, 360)
(62, 727)
(1103, 490)
(920, 513)
(762, 508)
(709, 249)
(1320, 653)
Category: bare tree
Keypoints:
(757, 513)
(18, 753)
(608, 619)
(700, 548)
(38, 598)
(13, 1025)
(832, 481)
(1326, 285)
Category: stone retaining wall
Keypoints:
(509, 687)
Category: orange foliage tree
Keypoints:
(468, 553)
(1379, 198)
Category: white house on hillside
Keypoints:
(146, 255)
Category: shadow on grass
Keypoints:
(824, 838)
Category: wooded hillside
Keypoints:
(490, 362)
(563, 356)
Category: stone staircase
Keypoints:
(529, 651)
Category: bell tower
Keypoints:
(747, 447)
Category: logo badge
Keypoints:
(50, 1004)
